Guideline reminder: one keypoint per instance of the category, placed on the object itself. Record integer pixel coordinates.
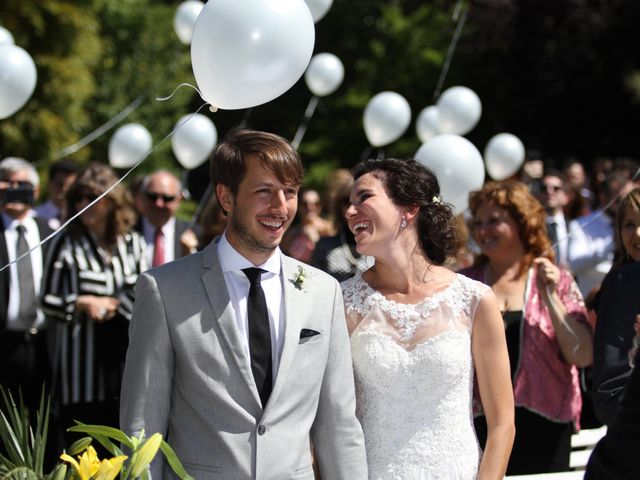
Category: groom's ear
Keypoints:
(225, 197)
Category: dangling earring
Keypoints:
(403, 223)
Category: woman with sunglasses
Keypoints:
(545, 323)
(88, 288)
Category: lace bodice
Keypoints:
(414, 377)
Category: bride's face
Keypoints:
(372, 217)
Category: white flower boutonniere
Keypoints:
(299, 278)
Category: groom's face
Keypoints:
(259, 213)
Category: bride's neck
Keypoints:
(400, 274)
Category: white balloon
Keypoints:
(458, 165)
(503, 155)
(5, 37)
(324, 74)
(193, 140)
(319, 8)
(427, 124)
(128, 145)
(248, 53)
(185, 19)
(18, 77)
(386, 118)
(459, 110)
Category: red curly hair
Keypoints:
(525, 210)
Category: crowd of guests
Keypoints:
(557, 249)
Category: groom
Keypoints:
(238, 354)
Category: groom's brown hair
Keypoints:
(228, 162)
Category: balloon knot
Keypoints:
(213, 109)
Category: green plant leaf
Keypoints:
(174, 462)
(58, 473)
(101, 430)
(20, 473)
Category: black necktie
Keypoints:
(259, 334)
(28, 302)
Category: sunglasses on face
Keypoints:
(153, 197)
(551, 188)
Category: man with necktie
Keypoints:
(24, 362)
(238, 354)
(167, 237)
(554, 198)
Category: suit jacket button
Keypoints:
(261, 430)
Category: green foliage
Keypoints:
(22, 452)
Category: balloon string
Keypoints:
(164, 99)
(365, 153)
(302, 128)
(452, 46)
(597, 214)
(245, 119)
(105, 193)
(101, 130)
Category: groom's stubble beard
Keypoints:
(243, 233)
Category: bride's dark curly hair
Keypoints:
(409, 183)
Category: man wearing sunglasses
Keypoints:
(167, 237)
(554, 198)
(23, 348)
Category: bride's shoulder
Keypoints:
(472, 286)
(355, 292)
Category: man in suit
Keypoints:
(619, 305)
(242, 369)
(23, 348)
(554, 198)
(166, 236)
(615, 455)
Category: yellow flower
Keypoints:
(109, 469)
(89, 465)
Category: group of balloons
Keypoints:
(18, 75)
(455, 160)
(272, 44)
(192, 142)
(272, 47)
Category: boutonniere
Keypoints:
(299, 278)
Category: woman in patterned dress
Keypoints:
(88, 288)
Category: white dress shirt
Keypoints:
(168, 232)
(32, 236)
(591, 249)
(562, 248)
(232, 263)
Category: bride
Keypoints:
(418, 333)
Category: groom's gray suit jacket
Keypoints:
(187, 376)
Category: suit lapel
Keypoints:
(294, 311)
(216, 288)
(4, 276)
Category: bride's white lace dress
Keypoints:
(414, 380)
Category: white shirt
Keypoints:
(562, 248)
(168, 232)
(232, 263)
(591, 249)
(32, 236)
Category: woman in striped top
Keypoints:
(88, 287)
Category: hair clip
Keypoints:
(436, 199)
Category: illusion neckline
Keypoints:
(429, 298)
